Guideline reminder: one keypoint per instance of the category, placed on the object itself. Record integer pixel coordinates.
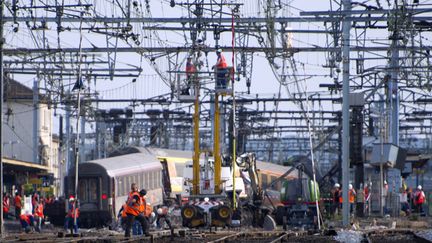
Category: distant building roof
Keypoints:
(18, 91)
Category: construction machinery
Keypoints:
(206, 202)
(293, 205)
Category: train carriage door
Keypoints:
(166, 178)
(88, 193)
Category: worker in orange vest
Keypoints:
(39, 214)
(73, 213)
(35, 199)
(6, 205)
(419, 199)
(18, 205)
(134, 211)
(190, 73)
(351, 196)
(221, 70)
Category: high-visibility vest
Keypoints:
(351, 196)
(71, 213)
(420, 197)
(26, 218)
(148, 210)
(190, 68)
(221, 63)
(134, 208)
(17, 201)
(39, 210)
(123, 212)
(6, 204)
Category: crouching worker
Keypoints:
(134, 211)
(72, 216)
(162, 216)
(27, 221)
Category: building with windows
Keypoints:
(30, 151)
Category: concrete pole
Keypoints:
(345, 111)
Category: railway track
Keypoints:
(394, 236)
(220, 236)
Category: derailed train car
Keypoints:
(104, 184)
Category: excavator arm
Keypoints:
(247, 162)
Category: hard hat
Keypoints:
(152, 214)
(219, 50)
(419, 187)
(337, 185)
(159, 211)
(71, 198)
(385, 182)
(350, 186)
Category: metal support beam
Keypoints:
(345, 111)
(216, 146)
(254, 49)
(196, 157)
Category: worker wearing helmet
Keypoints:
(134, 211)
(337, 194)
(73, 213)
(419, 199)
(221, 70)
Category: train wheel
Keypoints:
(188, 212)
(224, 212)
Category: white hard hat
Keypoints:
(337, 185)
(350, 186)
(419, 187)
(152, 214)
(219, 50)
(385, 182)
(159, 211)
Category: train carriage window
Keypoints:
(93, 190)
(141, 179)
(119, 186)
(82, 190)
(125, 186)
(127, 183)
(132, 178)
(151, 179)
(145, 180)
(158, 179)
